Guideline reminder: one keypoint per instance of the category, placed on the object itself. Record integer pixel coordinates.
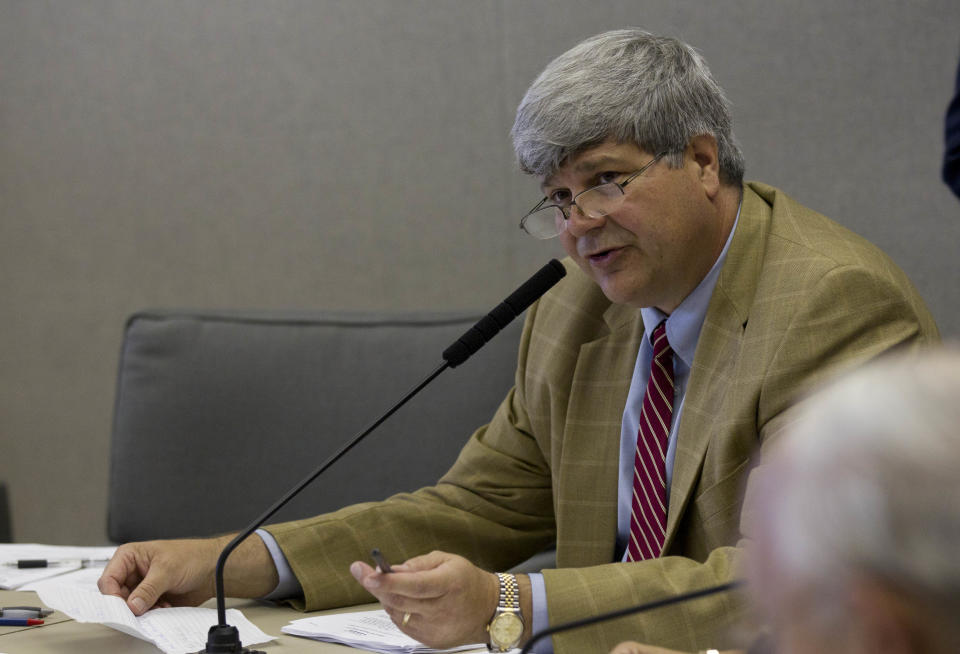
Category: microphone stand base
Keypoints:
(225, 639)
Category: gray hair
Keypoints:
(868, 483)
(630, 86)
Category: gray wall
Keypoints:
(353, 154)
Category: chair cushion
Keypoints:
(218, 414)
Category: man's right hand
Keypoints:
(181, 572)
(161, 573)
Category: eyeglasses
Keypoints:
(548, 220)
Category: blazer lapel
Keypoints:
(588, 503)
(718, 349)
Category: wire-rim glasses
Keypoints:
(548, 220)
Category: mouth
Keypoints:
(601, 256)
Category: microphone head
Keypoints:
(501, 315)
(531, 290)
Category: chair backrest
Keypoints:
(218, 414)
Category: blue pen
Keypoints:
(19, 622)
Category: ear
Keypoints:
(702, 150)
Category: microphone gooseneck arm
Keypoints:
(306, 481)
(630, 610)
(223, 637)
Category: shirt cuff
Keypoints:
(288, 586)
(541, 619)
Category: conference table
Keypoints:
(60, 634)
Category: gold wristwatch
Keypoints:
(506, 627)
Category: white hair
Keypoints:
(630, 86)
(868, 482)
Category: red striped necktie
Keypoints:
(648, 514)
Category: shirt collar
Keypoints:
(684, 324)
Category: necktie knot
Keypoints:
(661, 346)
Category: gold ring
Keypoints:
(406, 619)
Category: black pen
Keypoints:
(49, 563)
(381, 562)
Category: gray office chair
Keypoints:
(218, 414)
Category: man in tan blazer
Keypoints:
(761, 298)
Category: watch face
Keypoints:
(506, 630)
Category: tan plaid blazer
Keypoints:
(799, 297)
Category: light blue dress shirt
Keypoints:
(683, 332)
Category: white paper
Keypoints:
(12, 578)
(84, 578)
(178, 630)
(371, 630)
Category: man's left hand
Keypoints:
(449, 600)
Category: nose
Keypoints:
(579, 223)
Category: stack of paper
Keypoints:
(179, 630)
(13, 578)
(370, 630)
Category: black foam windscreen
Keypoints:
(501, 315)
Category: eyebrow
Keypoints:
(590, 166)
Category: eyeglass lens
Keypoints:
(593, 203)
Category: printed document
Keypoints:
(179, 630)
(369, 630)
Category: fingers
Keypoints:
(108, 583)
(360, 570)
(399, 586)
(148, 592)
(405, 620)
(120, 574)
(402, 593)
(388, 588)
(440, 599)
(134, 575)
(424, 562)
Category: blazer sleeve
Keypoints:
(494, 507)
(850, 314)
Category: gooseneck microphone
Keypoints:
(226, 638)
(630, 610)
(488, 326)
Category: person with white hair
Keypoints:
(858, 531)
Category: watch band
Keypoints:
(509, 592)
